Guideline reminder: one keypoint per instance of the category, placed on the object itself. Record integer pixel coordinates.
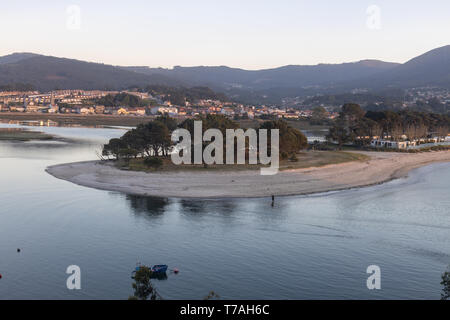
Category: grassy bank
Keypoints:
(129, 121)
(418, 150)
(297, 124)
(23, 135)
(305, 160)
(78, 119)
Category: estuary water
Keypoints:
(306, 247)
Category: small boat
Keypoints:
(159, 268)
(158, 271)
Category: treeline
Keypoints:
(153, 140)
(175, 95)
(179, 95)
(386, 98)
(433, 105)
(123, 99)
(358, 126)
(380, 101)
(17, 87)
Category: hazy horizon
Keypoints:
(251, 35)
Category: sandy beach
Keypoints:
(380, 168)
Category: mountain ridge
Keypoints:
(47, 73)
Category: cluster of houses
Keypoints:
(80, 102)
(427, 93)
(380, 143)
(407, 144)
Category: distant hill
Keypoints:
(260, 86)
(16, 57)
(272, 85)
(284, 77)
(47, 73)
(429, 69)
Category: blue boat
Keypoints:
(159, 268)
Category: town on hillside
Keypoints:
(135, 103)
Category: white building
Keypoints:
(164, 110)
(391, 144)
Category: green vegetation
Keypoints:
(291, 140)
(175, 95)
(143, 286)
(306, 159)
(147, 148)
(179, 95)
(300, 124)
(78, 119)
(391, 99)
(357, 126)
(153, 162)
(153, 139)
(47, 73)
(382, 100)
(445, 295)
(123, 99)
(432, 105)
(17, 87)
(320, 158)
(319, 116)
(23, 135)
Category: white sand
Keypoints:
(380, 168)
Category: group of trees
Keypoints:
(146, 140)
(291, 139)
(17, 87)
(319, 116)
(433, 105)
(179, 95)
(123, 99)
(387, 97)
(174, 95)
(143, 286)
(445, 295)
(153, 139)
(356, 125)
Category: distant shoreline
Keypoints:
(79, 119)
(382, 167)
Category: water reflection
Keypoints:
(159, 276)
(194, 206)
(147, 206)
(322, 244)
(156, 206)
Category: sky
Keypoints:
(246, 34)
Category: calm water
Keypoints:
(305, 247)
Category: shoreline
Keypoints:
(381, 168)
(78, 119)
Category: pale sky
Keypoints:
(247, 34)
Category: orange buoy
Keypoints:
(175, 271)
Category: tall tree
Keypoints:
(143, 286)
(340, 133)
(291, 139)
(352, 112)
(445, 295)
